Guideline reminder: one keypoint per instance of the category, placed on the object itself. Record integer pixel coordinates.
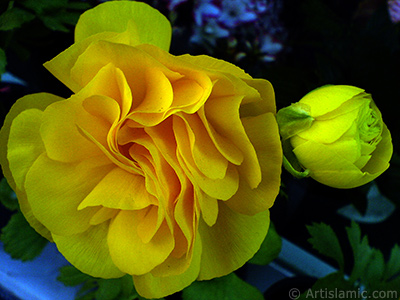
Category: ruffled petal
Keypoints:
(218, 188)
(231, 242)
(55, 190)
(130, 60)
(61, 65)
(215, 65)
(118, 22)
(150, 286)
(208, 207)
(38, 101)
(265, 102)
(110, 82)
(149, 25)
(61, 122)
(264, 135)
(119, 189)
(88, 252)
(206, 156)
(129, 253)
(230, 126)
(380, 158)
(25, 145)
(185, 214)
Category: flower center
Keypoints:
(370, 126)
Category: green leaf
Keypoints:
(43, 6)
(229, 287)
(98, 288)
(3, 62)
(53, 23)
(270, 248)
(294, 119)
(88, 296)
(7, 196)
(116, 289)
(20, 240)
(362, 252)
(392, 286)
(87, 290)
(109, 289)
(393, 265)
(71, 276)
(128, 291)
(375, 270)
(325, 241)
(79, 5)
(332, 285)
(14, 18)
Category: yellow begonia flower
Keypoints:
(338, 135)
(158, 166)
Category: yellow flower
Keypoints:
(337, 133)
(158, 166)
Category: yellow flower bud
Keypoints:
(338, 134)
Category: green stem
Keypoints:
(298, 174)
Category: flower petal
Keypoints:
(231, 242)
(335, 171)
(129, 26)
(349, 105)
(55, 202)
(265, 102)
(39, 101)
(88, 252)
(30, 107)
(129, 253)
(59, 127)
(330, 130)
(216, 65)
(111, 83)
(130, 60)
(149, 286)
(151, 27)
(218, 188)
(379, 161)
(206, 156)
(208, 207)
(157, 100)
(185, 214)
(231, 127)
(25, 144)
(119, 189)
(61, 65)
(329, 97)
(264, 135)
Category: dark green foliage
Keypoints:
(369, 271)
(20, 240)
(97, 288)
(270, 248)
(229, 287)
(7, 196)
